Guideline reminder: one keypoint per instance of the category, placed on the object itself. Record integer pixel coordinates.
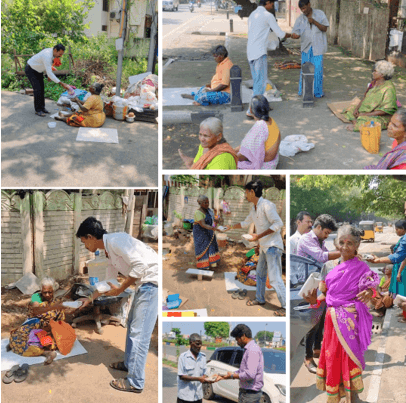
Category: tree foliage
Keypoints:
(263, 335)
(176, 330)
(29, 26)
(347, 197)
(217, 329)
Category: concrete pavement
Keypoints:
(35, 156)
(344, 78)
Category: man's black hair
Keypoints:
(91, 226)
(326, 221)
(301, 215)
(193, 337)
(241, 330)
(401, 224)
(256, 186)
(59, 47)
(220, 50)
(303, 3)
(263, 2)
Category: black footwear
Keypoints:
(311, 366)
(45, 111)
(42, 114)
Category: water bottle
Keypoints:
(97, 268)
(372, 124)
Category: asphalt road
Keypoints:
(390, 347)
(34, 155)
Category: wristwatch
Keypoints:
(232, 376)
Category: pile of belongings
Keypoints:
(247, 274)
(66, 98)
(143, 93)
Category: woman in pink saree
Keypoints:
(260, 147)
(348, 324)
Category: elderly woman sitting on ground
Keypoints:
(90, 113)
(214, 151)
(33, 338)
(396, 158)
(218, 90)
(379, 102)
(259, 149)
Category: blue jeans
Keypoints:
(318, 72)
(270, 263)
(141, 323)
(259, 72)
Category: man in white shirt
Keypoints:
(304, 224)
(260, 22)
(268, 225)
(311, 27)
(138, 263)
(34, 70)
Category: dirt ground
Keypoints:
(83, 378)
(209, 294)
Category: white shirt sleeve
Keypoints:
(273, 217)
(48, 69)
(248, 221)
(275, 27)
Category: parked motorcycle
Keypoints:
(199, 4)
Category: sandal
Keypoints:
(10, 374)
(21, 373)
(280, 312)
(242, 294)
(119, 366)
(123, 385)
(40, 113)
(403, 320)
(235, 294)
(253, 302)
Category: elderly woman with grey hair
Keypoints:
(214, 151)
(218, 90)
(379, 102)
(206, 248)
(33, 338)
(396, 158)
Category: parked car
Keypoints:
(228, 359)
(172, 5)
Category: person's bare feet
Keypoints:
(187, 96)
(50, 356)
(196, 103)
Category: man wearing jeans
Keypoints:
(268, 225)
(138, 263)
(260, 22)
(251, 372)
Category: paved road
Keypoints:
(33, 155)
(385, 352)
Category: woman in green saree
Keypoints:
(379, 102)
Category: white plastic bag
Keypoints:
(311, 283)
(273, 41)
(293, 144)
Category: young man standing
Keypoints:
(268, 225)
(139, 264)
(260, 22)
(251, 372)
(304, 224)
(192, 372)
(311, 27)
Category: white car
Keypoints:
(228, 359)
(170, 5)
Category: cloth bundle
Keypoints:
(293, 144)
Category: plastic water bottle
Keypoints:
(97, 268)
(372, 124)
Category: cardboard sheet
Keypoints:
(9, 359)
(338, 107)
(98, 135)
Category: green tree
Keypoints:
(176, 330)
(263, 335)
(29, 25)
(217, 329)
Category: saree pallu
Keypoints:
(396, 287)
(20, 341)
(394, 159)
(382, 98)
(254, 144)
(347, 332)
(206, 248)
